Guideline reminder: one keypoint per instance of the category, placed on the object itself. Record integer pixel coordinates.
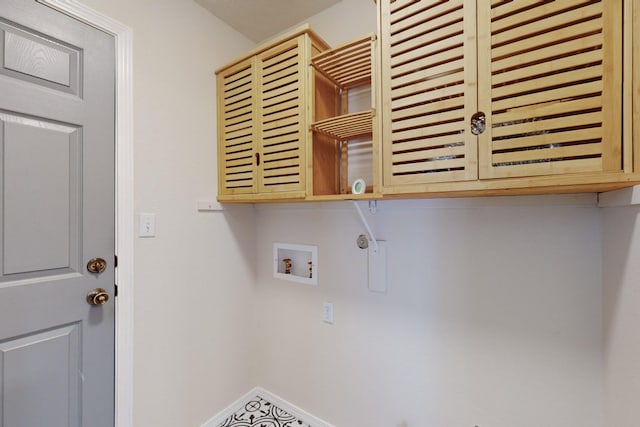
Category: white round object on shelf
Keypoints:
(359, 186)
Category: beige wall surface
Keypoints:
(621, 272)
(192, 279)
(492, 315)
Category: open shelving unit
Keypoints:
(344, 68)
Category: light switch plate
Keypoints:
(147, 225)
(327, 312)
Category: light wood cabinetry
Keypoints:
(341, 70)
(237, 129)
(543, 79)
(632, 80)
(468, 98)
(429, 88)
(264, 118)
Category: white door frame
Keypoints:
(124, 215)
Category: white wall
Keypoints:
(621, 272)
(346, 20)
(492, 317)
(192, 278)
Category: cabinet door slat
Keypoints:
(288, 127)
(433, 119)
(444, 80)
(424, 61)
(445, 26)
(549, 53)
(428, 142)
(429, 73)
(286, 107)
(546, 67)
(421, 110)
(433, 130)
(429, 165)
(431, 98)
(549, 109)
(279, 147)
(438, 153)
(592, 120)
(404, 50)
(544, 167)
(522, 44)
(543, 17)
(423, 15)
(547, 139)
(543, 83)
(569, 92)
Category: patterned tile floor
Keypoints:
(261, 413)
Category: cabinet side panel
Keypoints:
(636, 86)
(326, 150)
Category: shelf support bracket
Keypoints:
(366, 225)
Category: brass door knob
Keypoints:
(96, 265)
(98, 296)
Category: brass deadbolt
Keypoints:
(96, 265)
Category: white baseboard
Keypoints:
(230, 410)
(276, 400)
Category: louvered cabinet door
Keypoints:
(550, 86)
(281, 119)
(429, 71)
(237, 129)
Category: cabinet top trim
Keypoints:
(303, 29)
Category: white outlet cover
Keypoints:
(327, 312)
(147, 225)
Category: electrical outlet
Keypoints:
(327, 312)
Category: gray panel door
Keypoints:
(56, 214)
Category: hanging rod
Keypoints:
(366, 225)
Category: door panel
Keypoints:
(429, 79)
(57, 192)
(34, 57)
(37, 239)
(237, 129)
(36, 383)
(552, 82)
(281, 123)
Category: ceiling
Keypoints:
(262, 19)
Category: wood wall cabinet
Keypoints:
(263, 120)
(490, 97)
(469, 98)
